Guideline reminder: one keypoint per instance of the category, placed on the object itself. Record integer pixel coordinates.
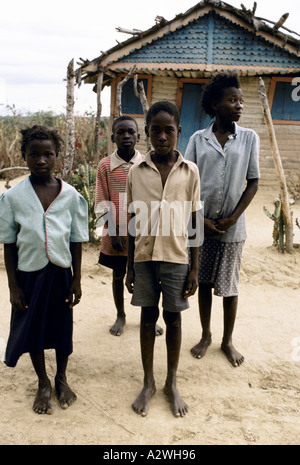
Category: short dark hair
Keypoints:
(123, 118)
(166, 106)
(41, 133)
(214, 90)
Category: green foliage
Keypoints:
(83, 176)
(10, 126)
(84, 181)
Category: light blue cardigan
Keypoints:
(42, 236)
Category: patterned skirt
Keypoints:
(48, 321)
(219, 266)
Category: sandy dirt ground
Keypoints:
(257, 403)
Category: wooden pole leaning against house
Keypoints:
(287, 216)
(98, 116)
(70, 139)
(119, 89)
(140, 94)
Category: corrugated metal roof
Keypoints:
(212, 39)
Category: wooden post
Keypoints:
(287, 216)
(70, 142)
(140, 93)
(14, 168)
(98, 116)
(119, 90)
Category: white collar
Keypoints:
(116, 160)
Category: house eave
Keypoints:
(255, 25)
(188, 70)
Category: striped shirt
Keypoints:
(110, 195)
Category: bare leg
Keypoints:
(65, 395)
(149, 316)
(205, 303)
(42, 402)
(230, 310)
(173, 341)
(118, 294)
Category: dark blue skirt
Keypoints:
(48, 321)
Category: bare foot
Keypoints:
(199, 350)
(42, 403)
(141, 403)
(235, 358)
(117, 327)
(158, 330)
(178, 406)
(65, 395)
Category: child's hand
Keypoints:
(75, 290)
(191, 284)
(224, 224)
(129, 281)
(17, 299)
(118, 243)
(211, 227)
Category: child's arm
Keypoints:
(103, 208)
(117, 241)
(130, 259)
(17, 297)
(192, 278)
(246, 199)
(75, 289)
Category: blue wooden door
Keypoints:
(192, 116)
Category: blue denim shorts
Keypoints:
(153, 279)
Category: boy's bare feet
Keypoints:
(199, 350)
(42, 402)
(65, 395)
(141, 403)
(235, 358)
(158, 330)
(118, 326)
(178, 406)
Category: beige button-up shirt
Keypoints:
(162, 213)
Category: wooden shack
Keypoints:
(174, 60)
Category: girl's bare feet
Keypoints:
(65, 395)
(235, 358)
(178, 406)
(199, 350)
(42, 402)
(141, 403)
(118, 326)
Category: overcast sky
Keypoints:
(38, 40)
